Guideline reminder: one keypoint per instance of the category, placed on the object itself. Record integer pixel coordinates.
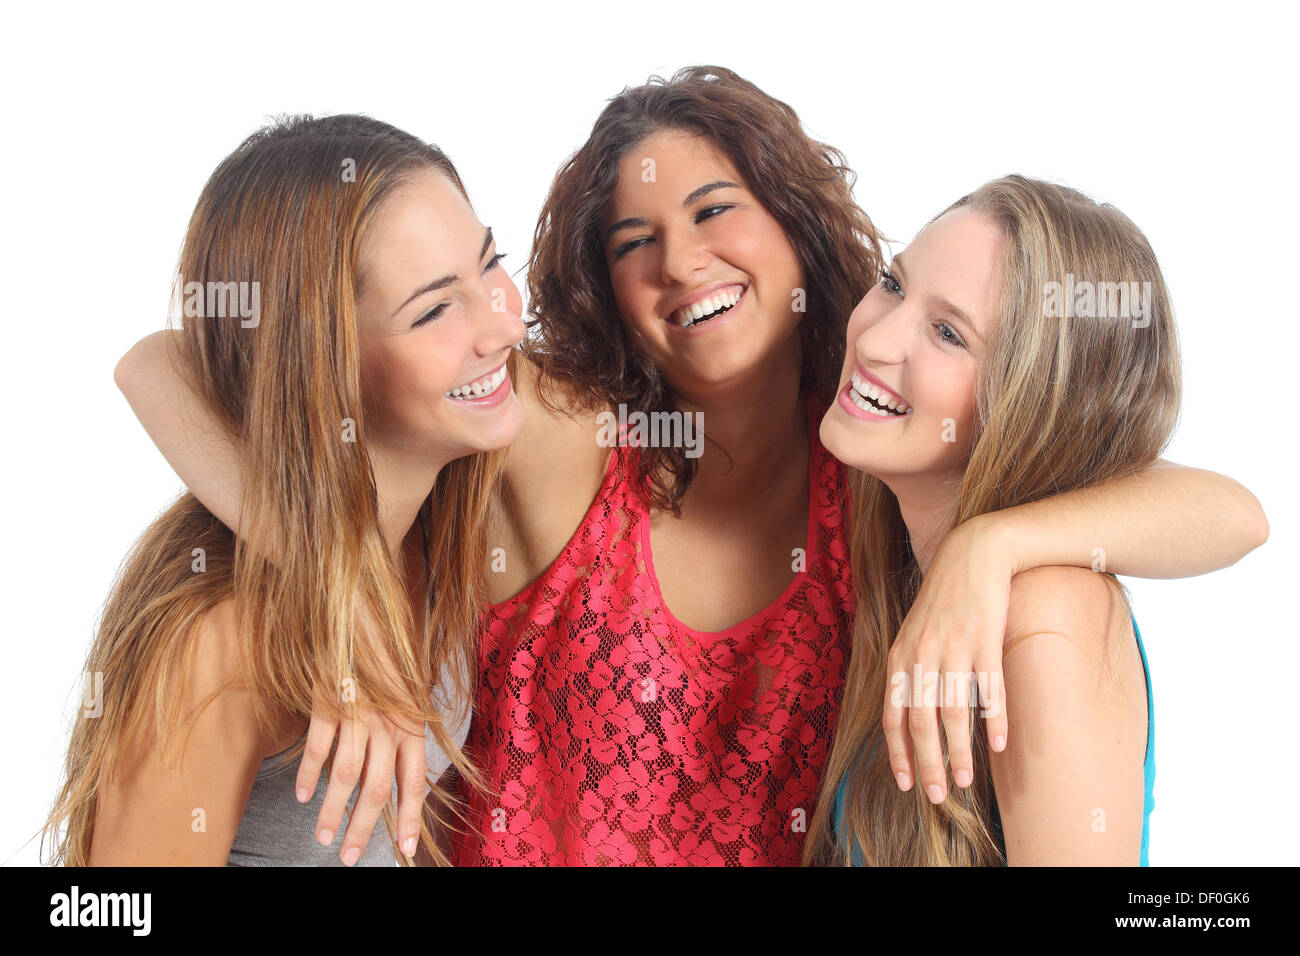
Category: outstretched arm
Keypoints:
(1167, 521)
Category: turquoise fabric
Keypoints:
(1148, 769)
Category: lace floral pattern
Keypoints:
(615, 735)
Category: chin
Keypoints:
(501, 431)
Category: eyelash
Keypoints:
(889, 282)
(955, 339)
(442, 307)
(699, 218)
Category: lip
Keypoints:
(863, 373)
(495, 398)
(703, 292)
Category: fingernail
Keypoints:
(904, 781)
(408, 846)
(351, 856)
(935, 792)
(962, 777)
(999, 742)
(303, 794)
(324, 837)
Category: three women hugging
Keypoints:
(524, 646)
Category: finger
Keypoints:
(897, 693)
(411, 769)
(993, 702)
(349, 757)
(955, 715)
(376, 790)
(923, 725)
(320, 739)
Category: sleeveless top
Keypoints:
(277, 830)
(1148, 773)
(612, 733)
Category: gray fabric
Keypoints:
(277, 830)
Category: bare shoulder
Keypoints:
(553, 473)
(1069, 784)
(562, 436)
(180, 788)
(1068, 634)
(205, 684)
(1064, 601)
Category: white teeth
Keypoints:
(873, 399)
(706, 306)
(483, 386)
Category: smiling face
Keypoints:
(703, 275)
(437, 318)
(915, 342)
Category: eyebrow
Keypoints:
(447, 280)
(694, 197)
(943, 304)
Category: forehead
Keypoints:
(667, 166)
(424, 228)
(958, 257)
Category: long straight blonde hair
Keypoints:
(288, 210)
(1060, 403)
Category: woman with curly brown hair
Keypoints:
(664, 653)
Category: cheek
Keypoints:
(405, 379)
(950, 401)
(760, 238)
(636, 299)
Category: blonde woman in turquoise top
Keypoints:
(1022, 346)
(1148, 778)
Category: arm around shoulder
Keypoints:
(198, 447)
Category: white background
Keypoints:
(1181, 115)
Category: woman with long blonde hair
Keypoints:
(345, 316)
(1022, 346)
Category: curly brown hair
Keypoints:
(805, 185)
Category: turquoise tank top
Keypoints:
(1148, 770)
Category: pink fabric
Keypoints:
(614, 734)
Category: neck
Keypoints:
(402, 482)
(761, 426)
(927, 505)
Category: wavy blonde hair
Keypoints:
(1060, 404)
(279, 211)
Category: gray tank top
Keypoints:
(277, 830)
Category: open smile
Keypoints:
(707, 305)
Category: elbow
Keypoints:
(1260, 526)
(122, 373)
(130, 372)
(1252, 521)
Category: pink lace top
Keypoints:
(612, 733)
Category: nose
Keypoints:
(683, 255)
(500, 324)
(880, 339)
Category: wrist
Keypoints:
(990, 538)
